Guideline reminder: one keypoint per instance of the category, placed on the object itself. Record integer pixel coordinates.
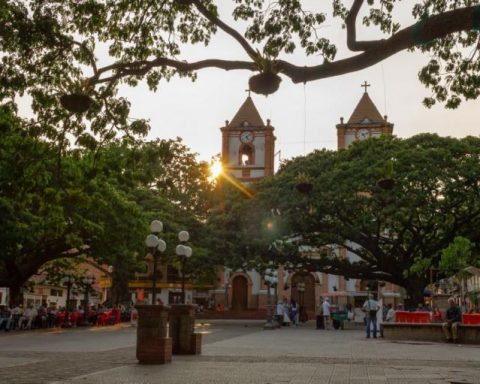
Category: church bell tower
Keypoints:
(248, 145)
(365, 122)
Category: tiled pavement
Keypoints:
(240, 354)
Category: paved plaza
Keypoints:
(234, 352)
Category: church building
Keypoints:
(248, 148)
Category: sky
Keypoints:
(304, 116)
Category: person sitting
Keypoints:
(42, 316)
(51, 316)
(5, 318)
(28, 317)
(17, 313)
(453, 317)
(390, 316)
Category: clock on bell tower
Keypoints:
(364, 123)
(248, 145)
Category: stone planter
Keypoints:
(182, 323)
(153, 344)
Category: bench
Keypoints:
(467, 333)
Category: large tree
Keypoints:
(394, 235)
(60, 203)
(52, 47)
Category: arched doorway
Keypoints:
(308, 295)
(239, 293)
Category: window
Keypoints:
(246, 155)
(56, 292)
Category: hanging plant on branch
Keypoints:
(386, 180)
(77, 98)
(303, 183)
(267, 81)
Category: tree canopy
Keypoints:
(55, 47)
(59, 202)
(393, 235)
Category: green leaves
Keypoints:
(457, 256)
(103, 195)
(395, 234)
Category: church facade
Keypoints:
(248, 148)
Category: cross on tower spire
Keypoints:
(365, 85)
(248, 90)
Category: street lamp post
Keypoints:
(227, 280)
(155, 244)
(271, 280)
(68, 281)
(183, 252)
(87, 281)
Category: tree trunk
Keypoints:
(14, 294)
(415, 287)
(120, 291)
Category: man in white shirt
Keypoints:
(370, 308)
(28, 317)
(390, 318)
(326, 313)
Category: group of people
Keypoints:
(19, 318)
(287, 313)
(370, 308)
(450, 322)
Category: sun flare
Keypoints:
(216, 170)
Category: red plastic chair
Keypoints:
(60, 318)
(103, 318)
(116, 314)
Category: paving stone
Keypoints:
(234, 354)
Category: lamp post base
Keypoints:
(153, 345)
(182, 330)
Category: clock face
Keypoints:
(246, 137)
(363, 134)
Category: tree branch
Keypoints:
(140, 68)
(435, 27)
(224, 27)
(352, 42)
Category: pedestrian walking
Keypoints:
(294, 312)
